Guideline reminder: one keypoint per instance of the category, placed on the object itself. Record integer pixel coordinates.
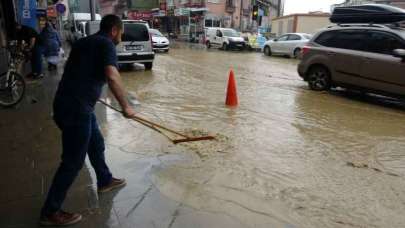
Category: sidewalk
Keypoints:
(30, 149)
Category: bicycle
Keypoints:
(12, 84)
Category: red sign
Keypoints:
(51, 12)
(163, 6)
(140, 15)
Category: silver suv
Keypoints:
(367, 57)
(136, 45)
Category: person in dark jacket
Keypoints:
(51, 45)
(32, 39)
(92, 63)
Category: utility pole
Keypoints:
(93, 9)
(241, 15)
(279, 8)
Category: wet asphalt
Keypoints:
(284, 157)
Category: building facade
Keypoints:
(189, 18)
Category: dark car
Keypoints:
(369, 57)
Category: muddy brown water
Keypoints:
(285, 157)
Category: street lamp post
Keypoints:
(93, 10)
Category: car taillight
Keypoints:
(305, 50)
(151, 41)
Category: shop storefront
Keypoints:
(7, 29)
(191, 23)
(145, 15)
(197, 24)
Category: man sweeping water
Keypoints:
(91, 64)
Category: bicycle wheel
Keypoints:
(11, 92)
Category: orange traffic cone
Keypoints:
(231, 94)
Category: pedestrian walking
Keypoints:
(51, 45)
(32, 39)
(91, 64)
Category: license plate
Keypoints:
(134, 47)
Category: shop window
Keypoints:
(208, 23)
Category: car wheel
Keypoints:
(297, 52)
(318, 78)
(267, 51)
(225, 47)
(167, 50)
(148, 66)
(208, 45)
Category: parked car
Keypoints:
(224, 38)
(368, 57)
(160, 42)
(136, 45)
(289, 44)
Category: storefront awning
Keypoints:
(198, 9)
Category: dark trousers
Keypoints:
(80, 136)
(36, 60)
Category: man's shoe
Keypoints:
(60, 218)
(115, 183)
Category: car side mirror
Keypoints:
(275, 40)
(399, 53)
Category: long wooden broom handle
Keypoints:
(143, 121)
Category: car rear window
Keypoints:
(135, 32)
(345, 39)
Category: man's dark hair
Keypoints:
(109, 21)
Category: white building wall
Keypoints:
(280, 26)
(310, 25)
(302, 24)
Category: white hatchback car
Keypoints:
(289, 44)
(160, 42)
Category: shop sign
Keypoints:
(182, 12)
(41, 13)
(140, 15)
(51, 11)
(60, 8)
(28, 13)
(163, 6)
(159, 13)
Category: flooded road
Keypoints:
(285, 157)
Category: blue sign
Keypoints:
(60, 8)
(261, 12)
(27, 13)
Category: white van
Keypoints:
(224, 38)
(76, 26)
(136, 45)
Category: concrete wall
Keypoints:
(280, 26)
(308, 24)
(299, 23)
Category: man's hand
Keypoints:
(115, 84)
(128, 112)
